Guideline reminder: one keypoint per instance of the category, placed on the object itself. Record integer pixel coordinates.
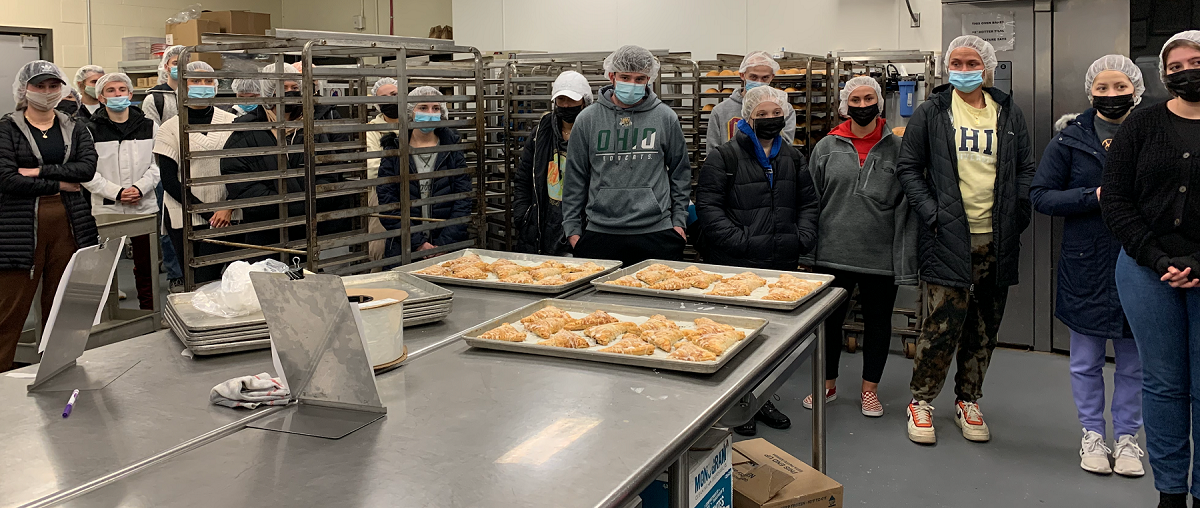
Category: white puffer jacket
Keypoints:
(124, 159)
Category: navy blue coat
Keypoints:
(1065, 186)
(390, 193)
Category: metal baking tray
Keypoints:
(608, 264)
(217, 338)
(698, 294)
(419, 291)
(231, 348)
(659, 360)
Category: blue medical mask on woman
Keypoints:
(966, 81)
(202, 91)
(248, 107)
(629, 93)
(427, 117)
(751, 85)
(117, 104)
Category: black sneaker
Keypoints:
(772, 417)
(747, 429)
(1172, 500)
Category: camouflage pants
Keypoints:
(962, 319)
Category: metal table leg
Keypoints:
(818, 412)
(677, 482)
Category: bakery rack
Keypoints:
(885, 67)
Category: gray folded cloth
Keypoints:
(250, 391)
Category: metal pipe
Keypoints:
(310, 156)
(88, 7)
(250, 246)
(818, 413)
(677, 482)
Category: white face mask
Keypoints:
(43, 101)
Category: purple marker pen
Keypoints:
(70, 404)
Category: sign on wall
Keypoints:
(995, 27)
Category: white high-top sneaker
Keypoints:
(1093, 453)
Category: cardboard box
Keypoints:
(188, 34)
(240, 22)
(710, 475)
(766, 477)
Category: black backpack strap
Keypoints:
(160, 102)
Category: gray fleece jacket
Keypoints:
(627, 169)
(866, 225)
(723, 119)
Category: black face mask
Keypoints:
(1185, 84)
(768, 128)
(568, 114)
(293, 110)
(1113, 108)
(390, 110)
(68, 107)
(863, 115)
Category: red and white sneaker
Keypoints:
(920, 423)
(870, 405)
(830, 396)
(968, 417)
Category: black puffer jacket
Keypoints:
(19, 194)
(747, 222)
(928, 170)
(538, 223)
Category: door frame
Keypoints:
(45, 34)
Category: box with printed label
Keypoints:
(188, 34)
(766, 477)
(710, 481)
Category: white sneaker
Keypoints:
(920, 423)
(121, 295)
(1093, 453)
(968, 417)
(1127, 457)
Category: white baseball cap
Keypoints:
(572, 85)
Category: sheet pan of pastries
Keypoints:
(769, 289)
(510, 270)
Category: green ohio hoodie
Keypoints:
(627, 169)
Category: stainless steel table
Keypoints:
(482, 428)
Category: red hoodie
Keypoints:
(863, 145)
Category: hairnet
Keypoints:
(269, 84)
(757, 58)
(1188, 35)
(1121, 64)
(984, 48)
(163, 71)
(855, 83)
(425, 91)
(632, 58)
(83, 72)
(382, 82)
(109, 78)
(571, 84)
(241, 85)
(759, 95)
(30, 71)
(199, 66)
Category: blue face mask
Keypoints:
(117, 104)
(175, 72)
(751, 85)
(427, 117)
(202, 91)
(629, 93)
(966, 81)
(248, 107)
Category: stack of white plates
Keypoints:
(206, 334)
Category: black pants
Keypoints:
(631, 249)
(877, 296)
(204, 273)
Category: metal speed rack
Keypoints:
(345, 157)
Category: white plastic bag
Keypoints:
(233, 295)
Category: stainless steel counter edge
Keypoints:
(65, 495)
(832, 298)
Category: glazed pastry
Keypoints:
(551, 281)
(748, 284)
(658, 322)
(703, 280)
(594, 319)
(630, 345)
(718, 343)
(628, 281)
(547, 312)
(469, 272)
(603, 334)
(671, 284)
(590, 267)
(751, 276)
(435, 270)
(504, 332)
(499, 263)
(690, 334)
(469, 260)
(652, 276)
(659, 267)
(503, 271)
(546, 327)
(574, 276)
(518, 278)
(550, 263)
(784, 294)
(690, 271)
(566, 339)
(664, 339)
(542, 273)
(707, 326)
(805, 286)
(729, 289)
(689, 352)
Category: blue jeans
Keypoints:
(170, 260)
(1166, 327)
